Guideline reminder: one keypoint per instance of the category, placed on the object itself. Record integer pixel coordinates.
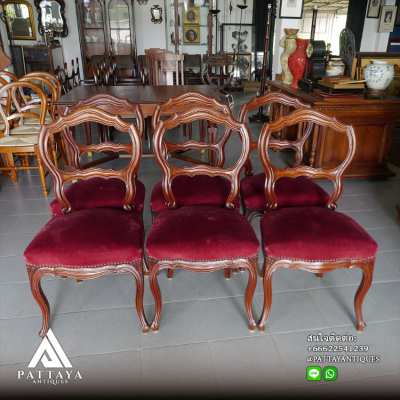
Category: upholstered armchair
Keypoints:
(89, 242)
(290, 192)
(313, 238)
(200, 237)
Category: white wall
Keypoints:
(148, 34)
(371, 39)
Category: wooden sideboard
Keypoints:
(37, 58)
(373, 121)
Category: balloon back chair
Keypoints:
(200, 238)
(93, 242)
(200, 189)
(291, 192)
(97, 192)
(18, 139)
(314, 239)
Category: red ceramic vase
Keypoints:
(297, 61)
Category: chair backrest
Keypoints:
(282, 105)
(8, 76)
(186, 102)
(163, 147)
(286, 104)
(165, 68)
(63, 127)
(51, 85)
(325, 124)
(112, 105)
(20, 105)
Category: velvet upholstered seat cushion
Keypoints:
(290, 192)
(201, 233)
(88, 238)
(314, 234)
(97, 193)
(200, 190)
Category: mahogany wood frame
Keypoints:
(161, 149)
(272, 98)
(80, 274)
(63, 124)
(81, 116)
(335, 175)
(22, 107)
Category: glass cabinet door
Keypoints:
(107, 29)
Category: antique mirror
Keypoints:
(19, 19)
(51, 17)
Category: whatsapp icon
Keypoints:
(330, 373)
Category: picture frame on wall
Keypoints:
(191, 34)
(292, 9)
(234, 35)
(387, 19)
(374, 7)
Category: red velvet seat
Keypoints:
(97, 193)
(201, 233)
(88, 238)
(201, 190)
(291, 192)
(314, 234)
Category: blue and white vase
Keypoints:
(378, 75)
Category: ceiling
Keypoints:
(340, 6)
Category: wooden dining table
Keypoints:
(147, 96)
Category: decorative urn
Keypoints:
(378, 75)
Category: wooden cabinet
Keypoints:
(107, 29)
(36, 58)
(373, 121)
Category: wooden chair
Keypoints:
(51, 87)
(291, 192)
(168, 69)
(94, 242)
(314, 239)
(150, 64)
(200, 238)
(201, 189)
(18, 140)
(8, 76)
(95, 193)
(192, 67)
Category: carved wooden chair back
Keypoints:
(280, 105)
(325, 124)
(150, 63)
(163, 147)
(63, 127)
(114, 106)
(51, 88)
(186, 102)
(168, 68)
(8, 76)
(22, 106)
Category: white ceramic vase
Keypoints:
(288, 42)
(378, 75)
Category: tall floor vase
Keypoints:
(297, 62)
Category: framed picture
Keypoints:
(291, 9)
(192, 15)
(237, 39)
(374, 6)
(191, 34)
(388, 17)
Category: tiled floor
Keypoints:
(203, 346)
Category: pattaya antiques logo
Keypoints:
(57, 370)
